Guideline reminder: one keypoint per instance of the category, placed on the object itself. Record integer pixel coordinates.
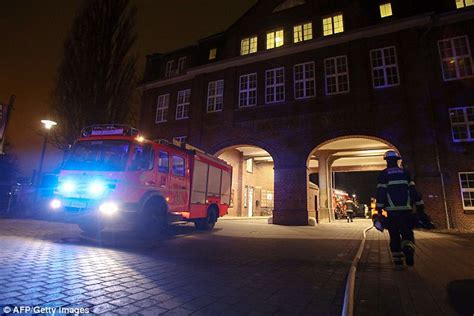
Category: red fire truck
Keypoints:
(112, 173)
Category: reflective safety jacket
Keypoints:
(396, 191)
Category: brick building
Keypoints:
(319, 86)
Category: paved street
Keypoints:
(243, 267)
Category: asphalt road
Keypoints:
(243, 267)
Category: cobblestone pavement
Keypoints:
(440, 283)
(243, 267)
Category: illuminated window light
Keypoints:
(275, 39)
(302, 32)
(464, 3)
(385, 10)
(212, 53)
(333, 25)
(248, 45)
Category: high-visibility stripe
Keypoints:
(420, 202)
(380, 205)
(397, 182)
(381, 185)
(398, 208)
(407, 244)
(411, 183)
(390, 202)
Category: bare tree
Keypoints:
(96, 79)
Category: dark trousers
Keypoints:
(350, 215)
(400, 227)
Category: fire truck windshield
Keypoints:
(98, 155)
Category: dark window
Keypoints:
(142, 158)
(178, 166)
(163, 162)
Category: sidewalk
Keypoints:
(440, 283)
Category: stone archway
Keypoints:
(353, 153)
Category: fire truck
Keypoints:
(113, 173)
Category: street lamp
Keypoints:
(48, 124)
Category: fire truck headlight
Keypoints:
(108, 208)
(68, 187)
(55, 204)
(97, 188)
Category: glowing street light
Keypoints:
(48, 124)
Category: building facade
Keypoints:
(301, 79)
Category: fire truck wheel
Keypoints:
(153, 218)
(91, 227)
(209, 222)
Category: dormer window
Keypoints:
(333, 24)
(385, 10)
(169, 68)
(212, 53)
(464, 3)
(248, 45)
(302, 32)
(275, 39)
(181, 63)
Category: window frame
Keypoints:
(466, 123)
(169, 68)
(172, 166)
(304, 33)
(274, 85)
(336, 75)
(247, 49)
(248, 90)
(274, 33)
(305, 81)
(185, 105)
(455, 58)
(383, 10)
(181, 63)
(181, 139)
(162, 109)
(384, 67)
(213, 99)
(160, 159)
(333, 29)
(462, 190)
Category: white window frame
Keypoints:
(248, 45)
(184, 105)
(463, 190)
(332, 30)
(162, 106)
(212, 53)
(384, 67)
(181, 139)
(169, 68)
(385, 9)
(181, 63)
(249, 165)
(273, 36)
(464, 3)
(466, 123)
(274, 85)
(246, 91)
(303, 32)
(306, 81)
(215, 101)
(454, 59)
(337, 75)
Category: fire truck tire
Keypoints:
(209, 222)
(91, 227)
(153, 218)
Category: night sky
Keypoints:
(32, 35)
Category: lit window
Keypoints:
(333, 24)
(275, 85)
(464, 3)
(181, 63)
(182, 106)
(456, 61)
(462, 124)
(384, 67)
(212, 53)
(385, 10)
(302, 32)
(169, 68)
(275, 39)
(215, 96)
(249, 165)
(162, 108)
(180, 139)
(266, 198)
(248, 90)
(248, 45)
(336, 75)
(466, 180)
(304, 80)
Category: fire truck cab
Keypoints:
(112, 173)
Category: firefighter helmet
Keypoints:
(391, 154)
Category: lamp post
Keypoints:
(48, 124)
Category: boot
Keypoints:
(397, 258)
(408, 249)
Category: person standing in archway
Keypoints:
(396, 194)
(350, 210)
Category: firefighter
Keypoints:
(349, 210)
(396, 194)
